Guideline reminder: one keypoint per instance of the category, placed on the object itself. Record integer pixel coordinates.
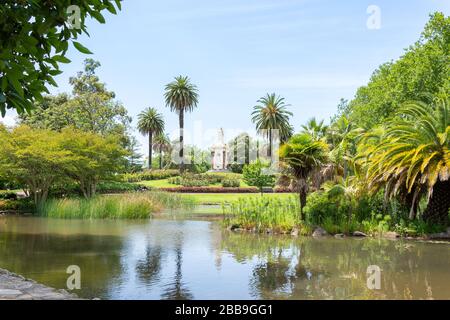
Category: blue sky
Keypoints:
(312, 52)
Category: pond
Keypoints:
(197, 259)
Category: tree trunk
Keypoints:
(269, 151)
(302, 194)
(247, 149)
(160, 157)
(413, 204)
(181, 119)
(150, 147)
(437, 208)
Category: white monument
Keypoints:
(219, 153)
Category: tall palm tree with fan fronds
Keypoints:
(150, 123)
(271, 114)
(414, 156)
(161, 144)
(181, 96)
(303, 154)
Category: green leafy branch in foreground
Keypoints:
(34, 39)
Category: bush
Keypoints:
(254, 175)
(210, 190)
(236, 167)
(16, 205)
(231, 183)
(8, 195)
(150, 175)
(118, 187)
(203, 180)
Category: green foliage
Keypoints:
(24, 205)
(197, 180)
(236, 167)
(91, 107)
(303, 155)
(316, 129)
(181, 96)
(255, 175)
(420, 74)
(150, 175)
(231, 183)
(412, 156)
(150, 123)
(271, 114)
(8, 195)
(127, 206)
(92, 158)
(38, 159)
(34, 37)
(262, 213)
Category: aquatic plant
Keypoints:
(263, 214)
(126, 206)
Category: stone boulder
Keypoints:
(359, 234)
(319, 232)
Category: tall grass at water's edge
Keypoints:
(124, 206)
(263, 213)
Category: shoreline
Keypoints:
(17, 287)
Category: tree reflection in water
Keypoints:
(177, 290)
(329, 268)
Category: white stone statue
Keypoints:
(219, 153)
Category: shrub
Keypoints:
(16, 205)
(254, 175)
(231, 183)
(210, 190)
(150, 175)
(118, 187)
(236, 167)
(8, 195)
(203, 180)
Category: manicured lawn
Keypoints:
(164, 183)
(219, 198)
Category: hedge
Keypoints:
(210, 190)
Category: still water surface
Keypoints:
(189, 259)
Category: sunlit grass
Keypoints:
(124, 206)
(264, 213)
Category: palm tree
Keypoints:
(161, 144)
(303, 155)
(414, 156)
(150, 123)
(271, 114)
(181, 96)
(316, 129)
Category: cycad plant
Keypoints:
(150, 123)
(414, 156)
(303, 155)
